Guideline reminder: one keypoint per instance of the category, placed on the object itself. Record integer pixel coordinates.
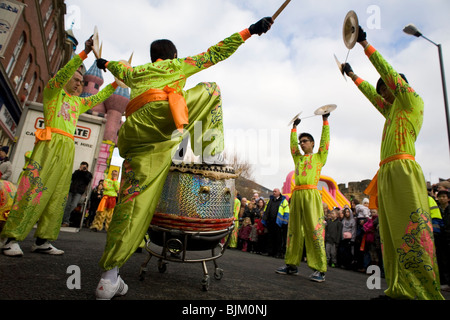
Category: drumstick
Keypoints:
(275, 15)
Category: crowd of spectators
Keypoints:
(352, 237)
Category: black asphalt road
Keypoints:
(247, 279)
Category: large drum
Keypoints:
(194, 213)
(197, 198)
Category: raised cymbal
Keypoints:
(350, 29)
(96, 46)
(295, 118)
(325, 109)
(339, 64)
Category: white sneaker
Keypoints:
(106, 290)
(46, 248)
(12, 249)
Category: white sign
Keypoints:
(10, 12)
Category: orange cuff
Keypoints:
(83, 55)
(358, 81)
(114, 84)
(245, 34)
(326, 123)
(294, 130)
(370, 50)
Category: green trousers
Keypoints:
(406, 232)
(42, 191)
(147, 141)
(306, 229)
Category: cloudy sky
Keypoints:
(291, 69)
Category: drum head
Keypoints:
(211, 171)
(325, 109)
(350, 29)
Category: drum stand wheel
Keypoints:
(175, 246)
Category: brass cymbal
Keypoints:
(350, 29)
(325, 109)
(295, 118)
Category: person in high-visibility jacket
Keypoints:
(275, 219)
(399, 190)
(234, 233)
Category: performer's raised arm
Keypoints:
(91, 101)
(225, 48)
(193, 64)
(295, 150)
(368, 90)
(324, 140)
(65, 73)
(393, 83)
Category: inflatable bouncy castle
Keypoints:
(327, 187)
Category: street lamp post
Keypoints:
(412, 30)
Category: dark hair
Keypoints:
(381, 82)
(445, 192)
(307, 135)
(84, 163)
(162, 49)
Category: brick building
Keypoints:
(33, 47)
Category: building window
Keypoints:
(15, 55)
(50, 34)
(23, 74)
(29, 86)
(36, 95)
(48, 14)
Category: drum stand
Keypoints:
(176, 243)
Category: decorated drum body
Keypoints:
(197, 198)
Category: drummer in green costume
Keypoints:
(159, 115)
(306, 219)
(399, 189)
(44, 184)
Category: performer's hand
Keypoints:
(325, 116)
(347, 69)
(101, 64)
(88, 44)
(361, 35)
(296, 123)
(262, 26)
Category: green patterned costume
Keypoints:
(44, 184)
(405, 223)
(148, 139)
(306, 218)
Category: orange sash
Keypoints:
(177, 104)
(46, 134)
(304, 187)
(372, 188)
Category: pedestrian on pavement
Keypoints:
(333, 236)
(80, 181)
(275, 219)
